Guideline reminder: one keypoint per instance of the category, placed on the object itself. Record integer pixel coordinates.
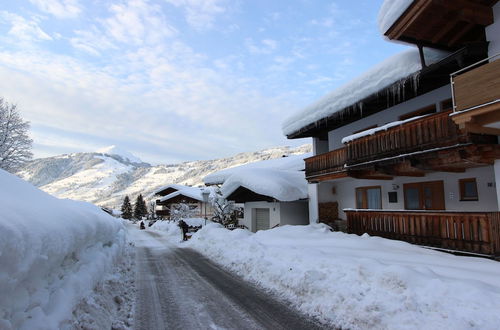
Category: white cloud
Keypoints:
(266, 46)
(137, 22)
(59, 8)
(23, 29)
(200, 14)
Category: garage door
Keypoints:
(261, 219)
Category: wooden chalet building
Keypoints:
(416, 157)
(167, 196)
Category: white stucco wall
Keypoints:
(313, 193)
(294, 213)
(493, 32)
(485, 178)
(249, 217)
(319, 146)
(389, 115)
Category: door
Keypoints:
(261, 219)
(424, 195)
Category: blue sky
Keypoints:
(176, 80)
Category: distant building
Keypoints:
(172, 194)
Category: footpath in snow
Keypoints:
(357, 282)
(56, 260)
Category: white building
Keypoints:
(400, 153)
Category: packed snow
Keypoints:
(359, 282)
(52, 254)
(285, 186)
(390, 71)
(290, 163)
(374, 130)
(389, 13)
(117, 151)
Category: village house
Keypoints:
(174, 194)
(273, 192)
(410, 150)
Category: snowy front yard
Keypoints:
(358, 282)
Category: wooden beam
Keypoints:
(469, 11)
(405, 20)
(460, 34)
(327, 177)
(369, 175)
(480, 129)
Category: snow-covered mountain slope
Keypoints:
(106, 176)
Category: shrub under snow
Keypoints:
(52, 254)
(362, 282)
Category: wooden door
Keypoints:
(424, 195)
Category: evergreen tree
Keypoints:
(126, 208)
(140, 208)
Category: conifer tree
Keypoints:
(126, 208)
(140, 208)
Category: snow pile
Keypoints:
(362, 282)
(123, 154)
(291, 163)
(170, 228)
(393, 69)
(385, 127)
(52, 254)
(281, 185)
(390, 12)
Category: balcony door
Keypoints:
(424, 195)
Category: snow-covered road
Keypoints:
(180, 289)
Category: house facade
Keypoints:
(410, 149)
(272, 192)
(171, 195)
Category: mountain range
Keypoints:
(106, 176)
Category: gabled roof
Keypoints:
(280, 185)
(169, 188)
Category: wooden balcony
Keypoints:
(430, 143)
(430, 132)
(328, 165)
(473, 232)
(477, 98)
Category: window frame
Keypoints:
(437, 188)
(461, 185)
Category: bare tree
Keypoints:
(15, 144)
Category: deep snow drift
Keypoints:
(52, 254)
(359, 282)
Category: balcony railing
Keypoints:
(429, 132)
(476, 85)
(473, 232)
(328, 163)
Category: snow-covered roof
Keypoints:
(290, 163)
(282, 185)
(125, 155)
(389, 13)
(172, 185)
(393, 69)
(191, 192)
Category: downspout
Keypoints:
(422, 57)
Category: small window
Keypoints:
(468, 189)
(420, 112)
(369, 197)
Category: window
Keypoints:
(420, 112)
(468, 189)
(369, 197)
(424, 195)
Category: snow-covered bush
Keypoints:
(52, 254)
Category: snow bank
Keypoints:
(52, 254)
(363, 282)
(393, 69)
(281, 185)
(170, 228)
(389, 13)
(290, 163)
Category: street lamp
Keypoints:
(205, 193)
